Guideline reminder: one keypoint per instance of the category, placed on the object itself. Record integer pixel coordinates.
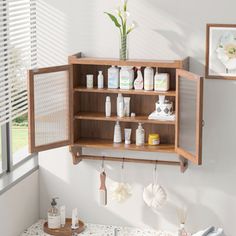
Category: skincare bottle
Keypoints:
(75, 219)
(117, 133)
(89, 81)
(63, 215)
(127, 106)
(148, 78)
(54, 218)
(113, 77)
(182, 231)
(128, 136)
(140, 135)
(100, 80)
(108, 106)
(120, 105)
(138, 83)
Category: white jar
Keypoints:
(89, 81)
(113, 77)
(161, 82)
(100, 80)
(148, 78)
(126, 77)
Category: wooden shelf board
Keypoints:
(178, 64)
(170, 93)
(108, 144)
(101, 117)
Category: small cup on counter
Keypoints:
(89, 81)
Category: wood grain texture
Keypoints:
(31, 109)
(170, 93)
(108, 144)
(147, 63)
(65, 231)
(99, 116)
(197, 158)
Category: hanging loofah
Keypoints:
(120, 191)
(154, 195)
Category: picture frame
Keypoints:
(220, 51)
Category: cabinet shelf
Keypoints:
(170, 93)
(108, 144)
(98, 116)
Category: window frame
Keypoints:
(7, 154)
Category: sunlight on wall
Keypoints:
(52, 32)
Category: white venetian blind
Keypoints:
(17, 54)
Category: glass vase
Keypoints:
(123, 47)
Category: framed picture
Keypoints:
(221, 51)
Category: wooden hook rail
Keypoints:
(78, 157)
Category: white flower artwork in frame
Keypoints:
(221, 51)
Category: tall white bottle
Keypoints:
(120, 105)
(108, 106)
(100, 80)
(140, 135)
(117, 133)
(148, 78)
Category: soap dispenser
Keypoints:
(138, 83)
(54, 218)
(140, 135)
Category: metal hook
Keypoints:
(123, 163)
(103, 165)
(156, 166)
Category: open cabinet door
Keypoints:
(49, 108)
(189, 107)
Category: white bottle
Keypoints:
(126, 77)
(117, 133)
(161, 81)
(148, 78)
(100, 80)
(113, 77)
(54, 217)
(108, 106)
(120, 105)
(140, 135)
(138, 83)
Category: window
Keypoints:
(18, 53)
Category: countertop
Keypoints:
(98, 230)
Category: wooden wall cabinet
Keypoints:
(62, 111)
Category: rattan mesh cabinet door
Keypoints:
(189, 108)
(49, 108)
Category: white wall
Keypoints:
(20, 206)
(167, 29)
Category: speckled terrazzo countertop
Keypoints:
(97, 230)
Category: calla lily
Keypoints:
(226, 50)
(120, 22)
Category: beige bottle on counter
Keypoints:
(54, 217)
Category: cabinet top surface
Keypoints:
(78, 59)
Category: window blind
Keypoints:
(18, 53)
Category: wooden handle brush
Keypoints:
(103, 189)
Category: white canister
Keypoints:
(161, 82)
(126, 77)
(164, 109)
(89, 81)
(113, 77)
(148, 78)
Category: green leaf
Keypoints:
(113, 18)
